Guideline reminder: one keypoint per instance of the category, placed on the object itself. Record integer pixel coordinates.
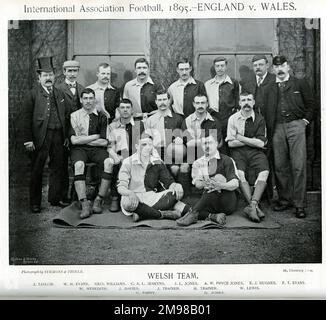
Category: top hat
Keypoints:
(278, 60)
(71, 64)
(45, 64)
(259, 57)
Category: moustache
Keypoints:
(142, 74)
(247, 105)
(48, 81)
(281, 72)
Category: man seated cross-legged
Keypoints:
(88, 138)
(147, 189)
(215, 174)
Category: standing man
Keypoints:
(107, 96)
(258, 83)
(247, 139)
(72, 90)
(45, 125)
(141, 90)
(88, 138)
(289, 108)
(223, 93)
(184, 90)
(70, 87)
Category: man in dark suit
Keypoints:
(45, 125)
(257, 83)
(70, 86)
(288, 108)
(72, 90)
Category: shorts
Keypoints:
(89, 154)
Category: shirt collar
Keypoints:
(96, 86)
(194, 117)
(240, 116)
(132, 122)
(227, 79)
(286, 79)
(182, 83)
(46, 89)
(168, 113)
(85, 113)
(69, 82)
(135, 158)
(134, 82)
(216, 156)
(262, 79)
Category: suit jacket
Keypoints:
(36, 114)
(111, 101)
(72, 104)
(258, 92)
(299, 98)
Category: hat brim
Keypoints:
(46, 70)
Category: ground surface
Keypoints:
(34, 240)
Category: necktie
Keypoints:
(72, 85)
(50, 90)
(260, 80)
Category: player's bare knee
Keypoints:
(79, 167)
(174, 170)
(263, 176)
(242, 176)
(184, 167)
(108, 164)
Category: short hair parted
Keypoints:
(246, 93)
(104, 65)
(200, 95)
(87, 91)
(141, 60)
(184, 60)
(161, 90)
(125, 101)
(219, 59)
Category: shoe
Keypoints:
(189, 218)
(282, 206)
(260, 213)
(251, 213)
(170, 214)
(300, 213)
(61, 204)
(86, 209)
(135, 217)
(35, 208)
(98, 205)
(219, 218)
(114, 205)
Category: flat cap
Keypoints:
(278, 60)
(71, 64)
(259, 57)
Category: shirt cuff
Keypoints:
(25, 143)
(306, 121)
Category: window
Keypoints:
(237, 40)
(118, 42)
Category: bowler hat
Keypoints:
(45, 64)
(278, 60)
(259, 57)
(71, 64)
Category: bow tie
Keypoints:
(72, 85)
